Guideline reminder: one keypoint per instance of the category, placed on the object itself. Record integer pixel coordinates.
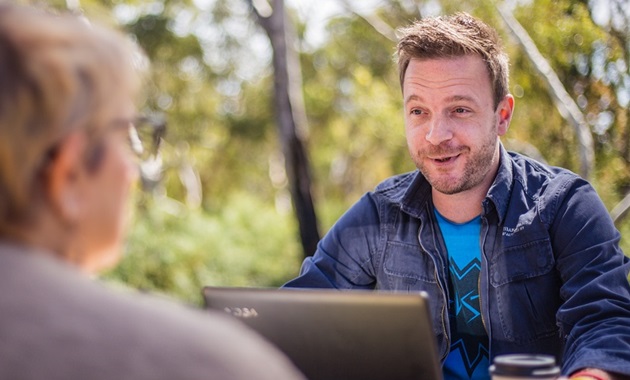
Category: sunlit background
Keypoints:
(220, 209)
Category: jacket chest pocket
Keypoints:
(406, 268)
(527, 292)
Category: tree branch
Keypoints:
(567, 107)
(375, 22)
(620, 211)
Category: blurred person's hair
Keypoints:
(455, 36)
(58, 74)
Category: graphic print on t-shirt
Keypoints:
(469, 340)
(468, 357)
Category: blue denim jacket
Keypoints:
(553, 278)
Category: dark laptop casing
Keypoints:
(345, 335)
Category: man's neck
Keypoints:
(461, 207)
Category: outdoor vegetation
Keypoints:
(224, 208)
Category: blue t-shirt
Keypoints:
(468, 357)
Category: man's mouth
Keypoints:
(445, 159)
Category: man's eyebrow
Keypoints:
(454, 98)
(411, 98)
(458, 98)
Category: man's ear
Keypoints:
(64, 177)
(504, 114)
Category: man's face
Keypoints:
(451, 124)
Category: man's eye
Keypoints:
(460, 110)
(416, 112)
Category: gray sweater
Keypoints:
(56, 323)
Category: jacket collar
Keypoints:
(501, 189)
(416, 196)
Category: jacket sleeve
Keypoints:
(343, 259)
(594, 318)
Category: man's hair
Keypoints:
(58, 74)
(455, 36)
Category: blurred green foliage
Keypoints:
(221, 214)
(173, 249)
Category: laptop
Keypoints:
(339, 335)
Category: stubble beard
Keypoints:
(476, 168)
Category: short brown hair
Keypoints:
(58, 74)
(454, 36)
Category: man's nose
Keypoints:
(439, 131)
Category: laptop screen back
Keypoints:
(331, 334)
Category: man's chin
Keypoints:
(445, 185)
(448, 190)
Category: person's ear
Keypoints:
(504, 114)
(64, 177)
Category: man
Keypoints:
(66, 106)
(516, 257)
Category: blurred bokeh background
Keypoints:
(282, 113)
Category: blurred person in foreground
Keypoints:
(66, 113)
(516, 256)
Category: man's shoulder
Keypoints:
(533, 174)
(543, 184)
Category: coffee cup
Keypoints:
(524, 367)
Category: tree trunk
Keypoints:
(291, 117)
